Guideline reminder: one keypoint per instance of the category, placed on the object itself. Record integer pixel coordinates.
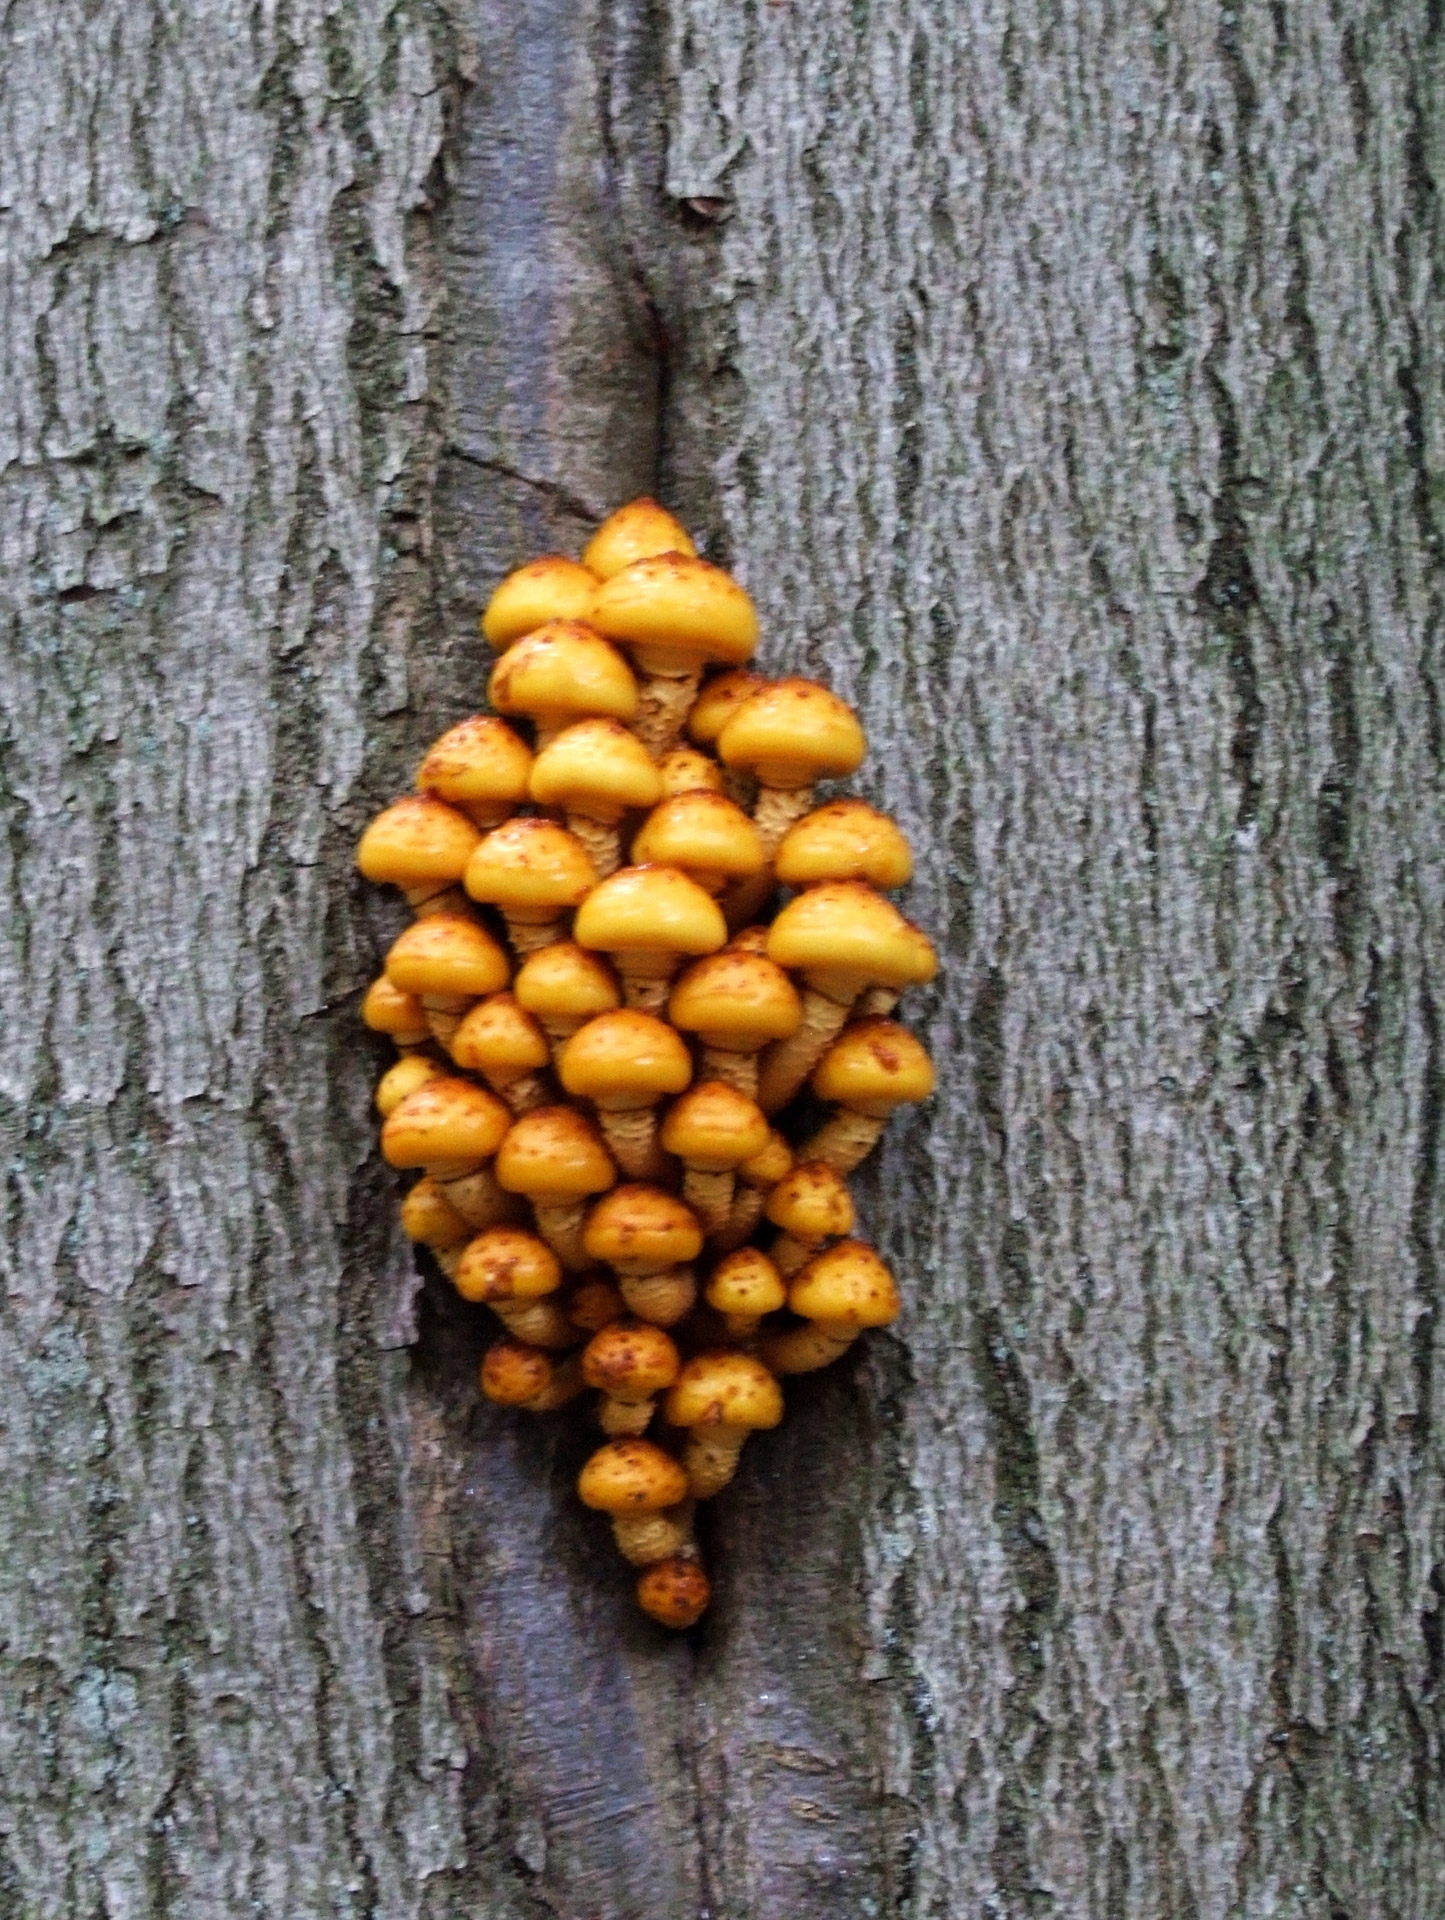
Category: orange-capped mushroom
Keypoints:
(646, 919)
(500, 1040)
(704, 835)
(811, 1203)
(447, 960)
(839, 1293)
(743, 1287)
(625, 1062)
(565, 986)
(634, 532)
(536, 872)
(479, 766)
(718, 700)
(721, 1397)
(514, 1374)
(562, 673)
(630, 1362)
(419, 844)
(556, 1158)
(413, 1070)
(596, 771)
(755, 1180)
(844, 840)
(791, 734)
(644, 1491)
(448, 1126)
(549, 588)
(674, 1592)
(386, 1009)
(649, 1238)
(675, 613)
(712, 1129)
(685, 770)
(516, 1274)
(736, 1002)
(871, 1068)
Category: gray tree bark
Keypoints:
(1065, 384)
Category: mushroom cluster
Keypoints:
(632, 1084)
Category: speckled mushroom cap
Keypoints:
(874, 1066)
(479, 763)
(512, 1373)
(735, 999)
(813, 1202)
(674, 1592)
(429, 1217)
(649, 910)
(635, 532)
(598, 768)
(413, 1070)
(631, 1476)
(499, 1038)
(686, 770)
(551, 588)
(566, 982)
(846, 1286)
(641, 1226)
(507, 1263)
(554, 1153)
(746, 1281)
(677, 613)
(418, 841)
(561, 673)
(621, 1056)
(704, 835)
(793, 733)
(844, 840)
(766, 1167)
(844, 928)
(386, 1009)
(530, 866)
(630, 1357)
(447, 1119)
(718, 701)
(725, 1389)
(447, 953)
(714, 1127)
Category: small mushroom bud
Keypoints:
(413, 1070)
(647, 918)
(755, 1179)
(555, 1157)
(562, 673)
(647, 1237)
(503, 1043)
(596, 771)
(811, 1204)
(636, 1482)
(703, 835)
(536, 872)
(743, 1287)
(594, 1304)
(838, 1293)
(625, 1063)
(685, 770)
(550, 588)
(717, 702)
(674, 1592)
(447, 960)
(675, 613)
(721, 1397)
(565, 986)
(871, 1068)
(516, 1375)
(713, 1128)
(635, 532)
(480, 767)
(418, 844)
(630, 1362)
(844, 840)
(735, 1002)
(448, 1126)
(514, 1273)
(386, 1009)
(791, 735)
(429, 1218)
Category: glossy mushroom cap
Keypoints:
(631, 1476)
(704, 835)
(566, 982)
(685, 770)
(725, 1389)
(513, 1373)
(386, 1009)
(445, 1120)
(630, 1357)
(428, 1217)
(598, 768)
(507, 1263)
(846, 929)
(874, 1066)
(623, 1057)
(635, 532)
(500, 1039)
(793, 733)
(677, 613)
(530, 867)
(714, 1127)
(746, 1282)
(554, 1153)
(844, 840)
(413, 1070)
(813, 1202)
(642, 1226)
(561, 673)
(718, 701)
(674, 1592)
(735, 1000)
(552, 588)
(478, 763)
(847, 1286)
(766, 1168)
(417, 842)
(447, 953)
(650, 910)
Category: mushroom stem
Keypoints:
(663, 708)
(845, 1140)
(662, 1298)
(646, 978)
(631, 1134)
(742, 1326)
(444, 1014)
(541, 1323)
(478, 1199)
(616, 1414)
(560, 1224)
(804, 1349)
(744, 903)
(710, 1195)
(529, 936)
(788, 1253)
(738, 1070)
(777, 809)
(645, 1537)
(747, 1210)
(603, 842)
(524, 1094)
(877, 1002)
(710, 1458)
(787, 1064)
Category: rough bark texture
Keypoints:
(1064, 383)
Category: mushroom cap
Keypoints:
(417, 842)
(813, 1202)
(512, 1373)
(595, 1304)
(685, 770)
(429, 1217)
(642, 1225)
(746, 1282)
(874, 1066)
(630, 1356)
(847, 1284)
(563, 672)
(635, 532)
(626, 1053)
(736, 1000)
(530, 865)
(598, 768)
(413, 1070)
(705, 835)
(718, 701)
(507, 1263)
(714, 1127)
(386, 1009)
(500, 1038)
(447, 953)
(844, 840)
(447, 1119)
(767, 1167)
(677, 613)
(725, 1389)
(650, 910)
(566, 982)
(479, 761)
(845, 927)
(631, 1476)
(554, 1153)
(550, 588)
(793, 733)
(752, 939)
(674, 1592)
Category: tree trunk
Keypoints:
(1064, 383)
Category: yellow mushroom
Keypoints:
(720, 1398)
(704, 835)
(838, 1293)
(646, 919)
(712, 1129)
(676, 614)
(550, 588)
(736, 1002)
(743, 1287)
(871, 1068)
(844, 840)
(565, 986)
(514, 1374)
(648, 1237)
(596, 771)
(791, 734)
(501, 1041)
(536, 872)
(644, 1491)
(480, 767)
(516, 1274)
(386, 1009)
(555, 1158)
(635, 532)
(630, 1362)
(811, 1203)
(419, 844)
(675, 1592)
(562, 673)
(448, 960)
(625, 1062)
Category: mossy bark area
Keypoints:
(1065, 388)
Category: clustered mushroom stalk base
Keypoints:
(738, 1070)
(747, 1211)
(444, 1014)
(564, 1386)
(645, 1537)
(603, 842)
(560, 1224)
(541, 1323)
(476, 1196)
(710, 1458)
(662, 709)
(776, 810)
(646, 979)
(631, 1134)
(530, 936)
(845, 1141)
(522, 1094)
(807, 1348)
(618, 1416)
(787, 1064)
(662, 1298)
(710, 1195)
